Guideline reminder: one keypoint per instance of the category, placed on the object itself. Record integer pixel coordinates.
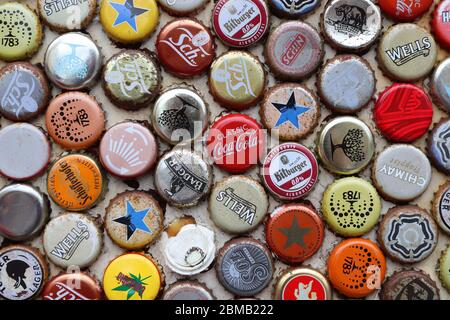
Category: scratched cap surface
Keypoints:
(128, 150)
(183, 178)
(72, 239)
(133, 276)
(244, 266)
(72, 286)
(238, 204)
(134, 219)
(132, 79)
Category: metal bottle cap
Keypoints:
(72, 286)
(244, 266)
(345, 145)
(440, 85)
(183, 178)
(438, 146)
(188, 290)
(302, 284)
(24, 211)
(441, 207)
(72, 239)
(179, 115)
(347, 33)
(409, 285)
(73, 61)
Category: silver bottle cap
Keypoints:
(24, 211)
(73, 61)
(179, 115)
(440, 85)
(345, 145)
(183, 178)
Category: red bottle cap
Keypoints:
(294, 232)
(403, 112)
(440, 23)
(236, 142)
(185, 47)
(290, 171)
(405, 10)
(240, 23)
(72, 286)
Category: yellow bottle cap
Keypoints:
(132, 276)
(75, 182)
(20, 31)
(129, 21)
(444, 268)
(351, 206)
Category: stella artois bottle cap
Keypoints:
(290, 110)
(131, 79)
(183, 178)
(20, 31)
(72, 286)
(401, 172)
(351, 25)
(134, 219)
(172, 43)
(133, 276)
(238, 204)
(24, 91)
(302, 284)
(351, 206)
(402, 48)
(72, 239)
(293, 50)
(236, 142)
(356, 267)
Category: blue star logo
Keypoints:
(289, 112)
(127, 12)
(447, 88)
(134, 220)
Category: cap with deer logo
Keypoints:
(351, 25)
(72, 239)
(345, 145)
(23, 272)
(302, 283)
(180, 115)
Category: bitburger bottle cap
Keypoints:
(408, 234)
(72, 239)
(73, 61)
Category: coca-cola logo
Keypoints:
(242, 143)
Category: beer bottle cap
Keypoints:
(72, 286)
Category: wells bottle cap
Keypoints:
(75, 120)
(351, 206)
(302, 284)
(75, 182)
(26, 151)
(185, 47)
(129, 21)
(24, 91)
(290, 171)
(133, 276)
(73, 61)
(401, 172)
(134, 219)
(294, 232)
(345, 145)
(403, 112)
(132, 79)
(237, 80)
(20, 31)
(255, 271)
(408, 234)
(128, 150)
(25, 210)
(356, 267)
(23, 272)
(236, 142)
(72, 239)
(72, 286)
(238, 204)
(240, 23)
